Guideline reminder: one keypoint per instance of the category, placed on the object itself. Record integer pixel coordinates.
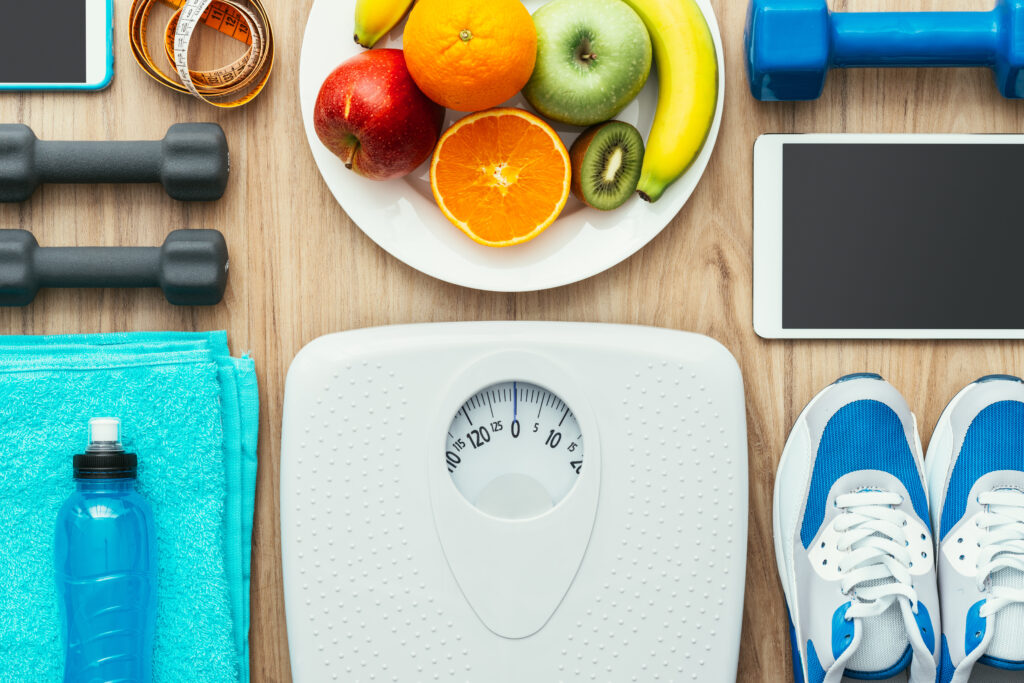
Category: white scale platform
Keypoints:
(514, 503)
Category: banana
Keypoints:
(684, 52)
(374, 18)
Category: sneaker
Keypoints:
(852, 538)
(975, 471)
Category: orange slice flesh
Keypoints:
(501, 176)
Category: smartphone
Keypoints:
(56, 44)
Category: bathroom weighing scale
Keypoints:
(514, 502)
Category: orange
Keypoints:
(501, 176)
(470, 55)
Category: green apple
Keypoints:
(593, 57)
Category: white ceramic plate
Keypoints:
(401, 216)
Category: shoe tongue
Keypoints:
(883, 642)
(1008, 623)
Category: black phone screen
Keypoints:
(42, 41)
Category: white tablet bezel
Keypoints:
(768, 236)
(98, 27)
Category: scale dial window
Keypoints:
(514, 450)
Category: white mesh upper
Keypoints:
(1008, 623)
(883, 642)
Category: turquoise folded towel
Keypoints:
(191, 412)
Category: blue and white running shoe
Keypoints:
(852, 538)
(975, 471)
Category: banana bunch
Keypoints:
(688, 81)
(374, 18)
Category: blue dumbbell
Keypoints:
(791, 44)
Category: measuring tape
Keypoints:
(230, 86)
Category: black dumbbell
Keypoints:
(191, 267)
(191, 162)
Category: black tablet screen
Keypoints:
(894, 236)
(42, 41)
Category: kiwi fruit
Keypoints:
(606, 161)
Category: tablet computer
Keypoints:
(889, 236)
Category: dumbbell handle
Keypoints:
(99, 162)
(97, 266)
(870, 39)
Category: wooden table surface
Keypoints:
(300, 268)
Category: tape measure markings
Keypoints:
(229, 86)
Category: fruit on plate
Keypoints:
(374, 18)
(593, 57)
(688, 90)
(371, 115)
(470, 55)
(501, 176)
(606, 161)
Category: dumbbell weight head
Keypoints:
(788, 48)
(194, 267)
(18, 281)
(195, 162)
(18, 178)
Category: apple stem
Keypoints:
(584, 51)
(350, 157)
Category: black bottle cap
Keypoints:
(105, 458)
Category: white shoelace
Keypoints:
(1002, 547)
(875, 569)
(876, 564)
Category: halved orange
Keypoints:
(501, 176)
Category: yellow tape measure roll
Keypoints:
(229, 86)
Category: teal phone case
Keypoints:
(107, 77)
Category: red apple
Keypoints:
(373, 116)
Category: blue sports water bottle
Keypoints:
(106, 566)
